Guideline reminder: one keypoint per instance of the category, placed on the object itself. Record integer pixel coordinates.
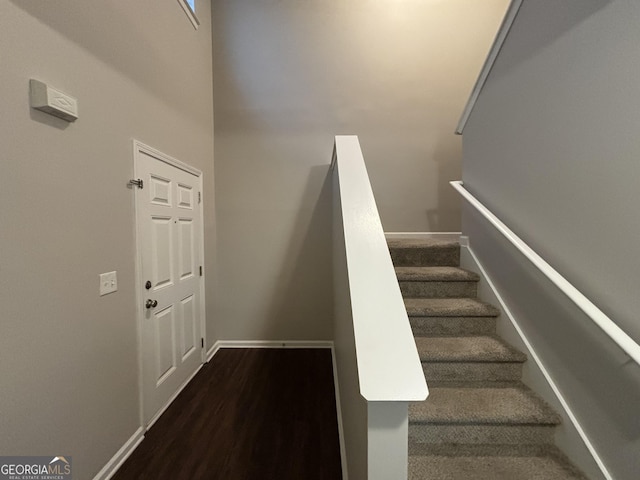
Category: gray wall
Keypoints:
(289, 75)
(551, 147)
(68, 358)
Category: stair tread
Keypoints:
(482, 406)
(466, 349)
(546, 467)
(424, 251)
(432, 326)
(449, 307)
(435, 274)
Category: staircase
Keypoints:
(480, 421)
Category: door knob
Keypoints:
(151, 303)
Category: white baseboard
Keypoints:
(212, 351)
(541, 380)
(452, 236)
(267, 344)
(121, 456)
(270, 344)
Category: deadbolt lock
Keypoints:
(151, 303)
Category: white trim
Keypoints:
(565, 405)
(159, 413)
(271, 344)
(453, 236)
(190, 13)
(203, 278)
(121, 456)
(138, 148)
(501, 36)
(212, 351)
(624, 341)
(267, 344)
(138, 288)
(336, 387)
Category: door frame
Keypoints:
(138, 149)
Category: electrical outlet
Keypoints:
(108, 283)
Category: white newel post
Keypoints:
(388, 440)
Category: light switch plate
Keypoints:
(108, 283)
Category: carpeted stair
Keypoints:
(479, 422)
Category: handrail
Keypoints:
(624, 341)
(388, 363)
(503, 31)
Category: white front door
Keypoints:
(169, 230)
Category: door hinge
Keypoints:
(199, 197)
(200, 270)
(202, 342)
(137, 182)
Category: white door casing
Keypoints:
(169, 245)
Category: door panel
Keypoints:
(161, 251)
(160, 190)
(164, 334)
(187, 260)
(185, 196)
(189, 341)
(169, 239)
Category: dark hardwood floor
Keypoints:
(249, 414)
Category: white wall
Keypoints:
(68, 358)
(552, 148)
(289, 75)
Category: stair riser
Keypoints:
(481, 434)
(436, 289)
(472, 372)
(449, 326)
(426, 257)
(449, 307)
(469, 450)
(491, 468)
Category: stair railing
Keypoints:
(377, 363)
(624, 341)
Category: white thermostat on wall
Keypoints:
(51, 100)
